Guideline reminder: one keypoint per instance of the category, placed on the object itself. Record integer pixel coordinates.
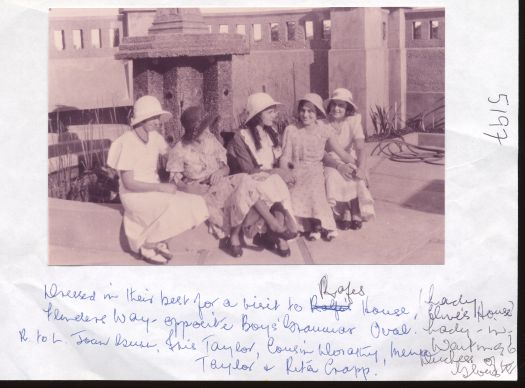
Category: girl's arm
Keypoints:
(361, 161)
(286, 157)
(334, 146)
(216, 176)
(131, 184)
(192, 188)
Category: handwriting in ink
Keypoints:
(54, 314)
(345, 290)
(503, 120)
(211, 363)
(54, 292)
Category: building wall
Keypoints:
(88, 77)
(425, 64)
(286, 68)
(371, 51)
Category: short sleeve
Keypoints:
(176, 159)
(120, 155)
(287, 142)
(357, 128)
(327, 130)
(218, 150)
(163, 146)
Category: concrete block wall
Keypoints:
(371, 51)
(425, 64)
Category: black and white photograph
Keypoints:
(259, 194)
(216, 136)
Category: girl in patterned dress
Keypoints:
(198, 164)
(255, 150)
(303, 151)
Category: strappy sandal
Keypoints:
(329, 235)
(151, 256)
(313, 236)
(163, 250)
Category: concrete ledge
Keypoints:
(431, 140)
(86, 225)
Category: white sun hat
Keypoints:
(342, 94)
(147, 107)
(257, 102)
(316, 100)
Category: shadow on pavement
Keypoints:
(430, 199)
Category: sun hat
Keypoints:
(316, 100)
(195, 121)
(257, 102)
(342, 94)
(147, 107)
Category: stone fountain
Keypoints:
(182, 64)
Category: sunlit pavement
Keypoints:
(408, 229)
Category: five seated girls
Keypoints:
(259, 191)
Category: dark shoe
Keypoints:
(356, 224)
(286, 235)
(282, 252)
(270, 243)
(232, 250)
(253, 246)
(263, 241)
(343, 224)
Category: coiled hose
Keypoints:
(399, 150)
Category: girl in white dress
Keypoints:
(153, 211)
(346, 183)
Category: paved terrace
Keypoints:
(408, 229)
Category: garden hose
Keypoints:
(398, 150)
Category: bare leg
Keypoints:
(354, 209)
(271, 221)
(235, 235)
(281, 219)
(356, 221)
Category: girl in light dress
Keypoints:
(198, 164)
(346, 183)
(153, 211)
(255, 150)
(303, 152)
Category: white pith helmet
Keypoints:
(342, 94)
(147, 107)
(257, 102)
(316, 100)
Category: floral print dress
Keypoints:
(304, 147)
(229, 200)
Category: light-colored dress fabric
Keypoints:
(305, 148)
(338, 189)
(229, 200)
(151, 216)
(272, 187)
(267, 154)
